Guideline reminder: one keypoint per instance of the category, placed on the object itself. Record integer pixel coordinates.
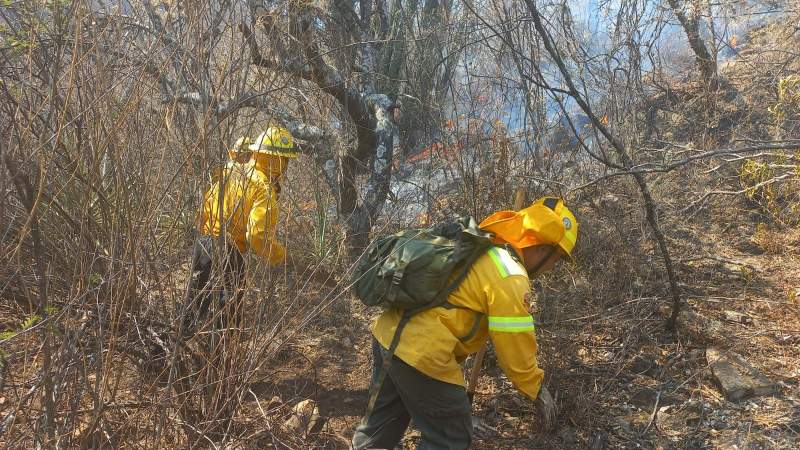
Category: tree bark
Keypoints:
(691, 26)
(369, 109)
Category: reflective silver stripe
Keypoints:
(515, 324)
(505, 264)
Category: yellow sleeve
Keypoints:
(512, 333)
(261, 226)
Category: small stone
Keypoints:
(737, 317)
(736, 378)
(305, 418)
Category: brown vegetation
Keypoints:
(112, 120)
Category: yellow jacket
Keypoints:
(250, 209)
(436, 340)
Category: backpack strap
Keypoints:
(475, 325)
(375, 387)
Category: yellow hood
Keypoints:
(546, 221)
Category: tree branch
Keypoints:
(642, 168)
(622, 152)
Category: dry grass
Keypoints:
(101, 178)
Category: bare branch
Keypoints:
(663, 168)
(622, 152)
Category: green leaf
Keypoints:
(7, 335)
(30, 321)
(95, 279)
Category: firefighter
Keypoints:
(241, 206)
(424, 382)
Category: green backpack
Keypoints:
(415, 270)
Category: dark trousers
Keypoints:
(213, 279)
(441, 411)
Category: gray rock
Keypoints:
(737, 317)
(736, 378)
(305, 418)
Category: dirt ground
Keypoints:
(619, 378)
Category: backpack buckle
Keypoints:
(397, 277)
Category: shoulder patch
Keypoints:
(506, 265)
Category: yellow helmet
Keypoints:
(276, 141)
(240, 146)
(546, 221)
